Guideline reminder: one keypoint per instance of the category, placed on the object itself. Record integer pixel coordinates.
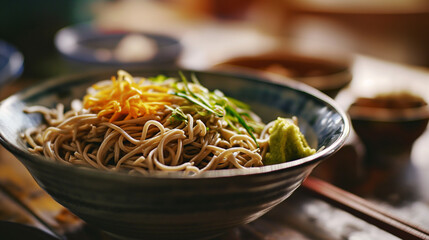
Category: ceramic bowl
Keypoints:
(85, 46)
(389, 125)
(11, 62)
(174, 206)
(325, 75)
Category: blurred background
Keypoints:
(211, 31)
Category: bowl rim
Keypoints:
(257, 76)
(337, 79)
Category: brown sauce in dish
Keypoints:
(399, 100)
(289, 66)
(326, 75)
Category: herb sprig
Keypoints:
(213, 102)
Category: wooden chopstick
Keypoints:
(364, 210)
(24, 206)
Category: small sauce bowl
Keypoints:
(388, 125)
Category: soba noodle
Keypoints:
(176, 135)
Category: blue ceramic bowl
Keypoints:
(175, 206)
(11, 62)
(82, 43)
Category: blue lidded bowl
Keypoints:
(175, 206)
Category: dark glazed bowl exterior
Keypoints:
(388, 134)
(174, 206)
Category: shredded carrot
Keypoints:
(126, 99)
